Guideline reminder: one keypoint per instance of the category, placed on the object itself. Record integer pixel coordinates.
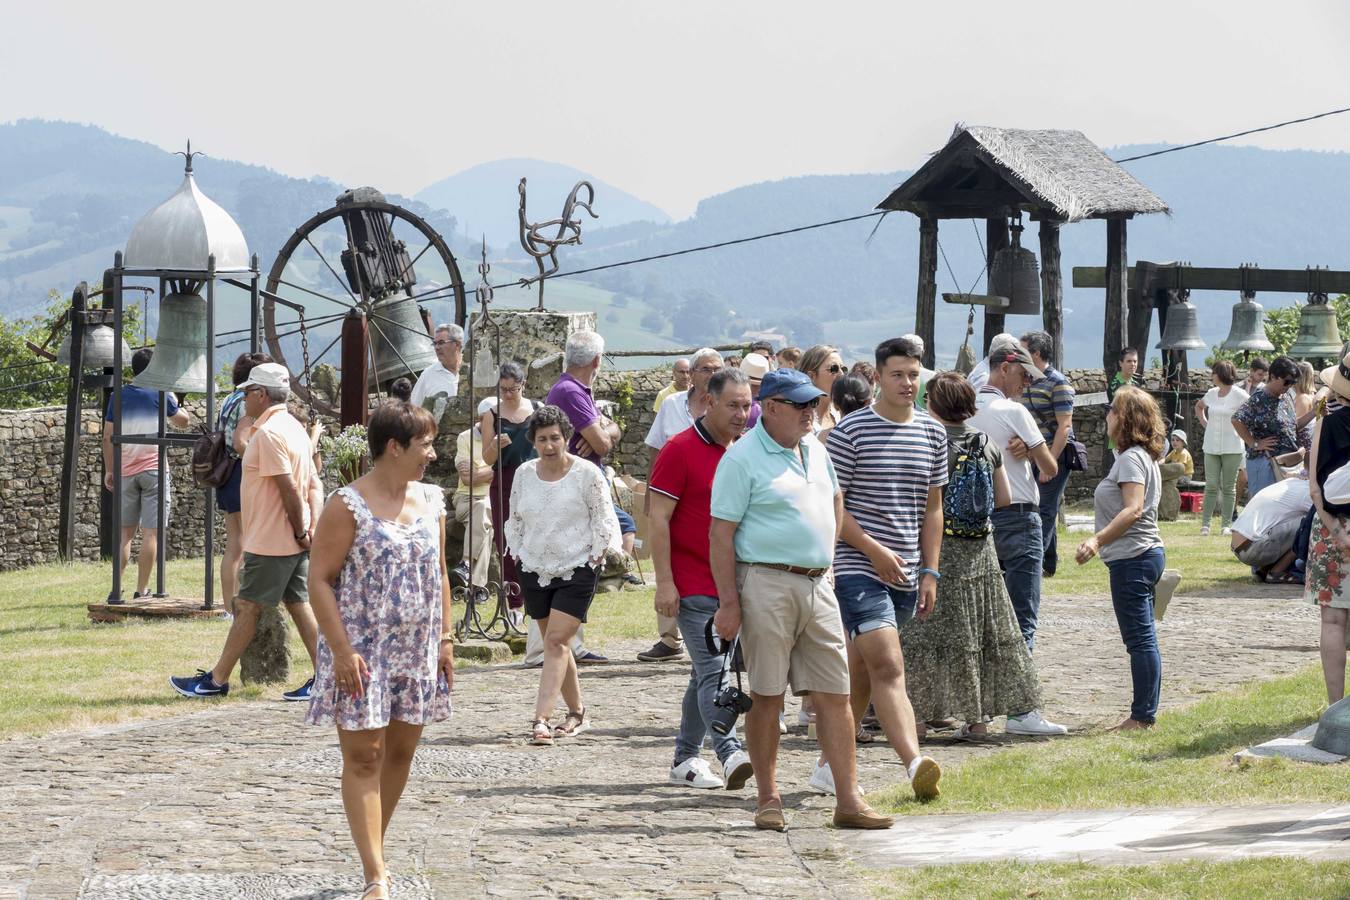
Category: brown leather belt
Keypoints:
(793, 570)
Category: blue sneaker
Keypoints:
(199, 685)
(300, 693)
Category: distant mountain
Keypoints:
(484, 199)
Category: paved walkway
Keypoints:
(241, 801)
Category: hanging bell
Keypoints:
(399, 343)
(179, 361)
(1249, 327)
(1016, 276)
(98, 348)
(1183, 328)
(1318, 335)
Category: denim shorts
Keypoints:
(626, 523)
(866, 604)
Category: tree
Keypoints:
(804, 329)
(701, 318)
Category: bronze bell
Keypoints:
(1318, 335)
(1248, 331)
(399, 343)
(1016, 276)
(179, 362)
(1183, 327)
(98, 348)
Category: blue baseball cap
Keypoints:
(790, 384)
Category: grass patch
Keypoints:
(1259, 879)
(1206, 563)
(1186, 760)
(621, 616)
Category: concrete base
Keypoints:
(483, 651)
(1297, 746)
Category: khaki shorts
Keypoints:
(790, 632)
(267, 580)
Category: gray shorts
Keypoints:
(140, 499)
(1266, 550)
(268, 580)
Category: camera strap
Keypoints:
(729, 651)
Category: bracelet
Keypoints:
(924, 570)
(447, 636)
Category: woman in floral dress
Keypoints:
(1325, 580)
(378, 584)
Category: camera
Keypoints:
(731, 702)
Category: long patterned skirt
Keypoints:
(1325, 580)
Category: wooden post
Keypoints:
(925, 310)
(1117, 276)
(996, 237)
(70, 456)
(1052, 289)
(355, 403)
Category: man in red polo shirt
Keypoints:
(679, 502)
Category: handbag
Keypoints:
(212, 463)
(1074, 455)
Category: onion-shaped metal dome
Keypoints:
(184, 230)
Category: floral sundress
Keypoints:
(389, 597)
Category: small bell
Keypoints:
(1182, 331)
(98, 348)
(1016, 276)
(179, 363)
(1248, 331)
(1319, 337)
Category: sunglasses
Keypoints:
(836, 369)
(805, 405)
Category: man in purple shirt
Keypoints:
(593, 435)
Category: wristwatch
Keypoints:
(924, 570)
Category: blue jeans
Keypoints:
(866, 604)
(1052, 492)
(697, 709)
(1259, 475)
(1132, 582)
(1017, 541)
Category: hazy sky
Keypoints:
(672, 101)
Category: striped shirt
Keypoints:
(1047, 398)
(885, 470)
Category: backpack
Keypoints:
(969, 499)
(213, 459)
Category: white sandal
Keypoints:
(380, 884)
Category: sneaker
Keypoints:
(737, 770)
(1163, 590)
(660, 652)
(822, 779)
(115, 599)
(804, 718)
(633, 579)
(782, 724)
(1227, 532)
(590, 658)
(300, 693)
(199, 685)
(140, 595)
(459, 575)
(695, 773)
(924, 775)
(1204, 531)
(1033, 723)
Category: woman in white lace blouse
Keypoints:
(562, 521)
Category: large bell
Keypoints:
(1249, 327)
(1318, 335)
(98, 348)
(179, 362)
(399, 341)
(1182, 331)
(1016, 276)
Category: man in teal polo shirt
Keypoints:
(776, 510)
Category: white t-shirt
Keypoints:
(1287, 499)
(979, 375)
(1219, 434)
(435, 379)
(1003, 419)
(672, 418)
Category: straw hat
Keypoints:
(1337, 377)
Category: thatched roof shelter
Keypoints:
(1045, 173)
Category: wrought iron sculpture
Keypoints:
(541, 247)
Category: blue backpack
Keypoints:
(969, 499)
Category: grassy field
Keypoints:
(1185, 760)
(1253, 879)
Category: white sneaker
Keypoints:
(695, 773)
(803, 718)
(782, 724)
(1204, 531)
(1228, 532)
(822, 779)
(1163, 591)
(1033, 723)
(737, 770)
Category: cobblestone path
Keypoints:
(242, 801)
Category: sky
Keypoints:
(672, 102)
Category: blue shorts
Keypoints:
(626, 523)
(227, 495)
(866, 604)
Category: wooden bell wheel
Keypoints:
(310, 293)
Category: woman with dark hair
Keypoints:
(506, 445)
(562, 522)
(236, 425)
(967, 660)
(1223, 447)
(849, 393)
(378, 584)
(1129, 542)
(401, 389)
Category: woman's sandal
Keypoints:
(379, 884)
(541, 734)
(574, 724)
(863, 736)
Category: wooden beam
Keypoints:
(925, 311)
(1052, 289)
(1117, 274)
(996, 237)
(1277, 281)
(1141, 298)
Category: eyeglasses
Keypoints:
(443, 342)
(514, 389)
(804, 405)
(836, 369)
(251, 389)
(708, 370)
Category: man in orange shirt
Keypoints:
(281, 497)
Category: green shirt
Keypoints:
(784, 504)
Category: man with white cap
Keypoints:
(980, 374)
(280, 498)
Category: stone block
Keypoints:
(267, 659)
(484, 651)
(1333, 729)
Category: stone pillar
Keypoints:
(267, 659)
(532, 338)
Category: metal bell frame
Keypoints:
(1016, 275)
